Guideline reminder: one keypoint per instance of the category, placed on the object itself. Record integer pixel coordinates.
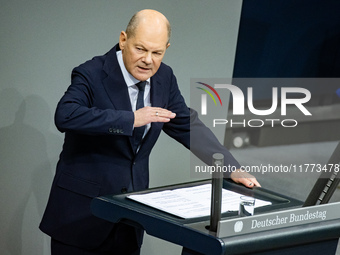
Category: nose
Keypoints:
(148, 58)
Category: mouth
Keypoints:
(143, 69)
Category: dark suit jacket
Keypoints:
(97, 158)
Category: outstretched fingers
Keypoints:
(149, 114)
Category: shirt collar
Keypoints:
(129, 79)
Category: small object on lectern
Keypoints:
(247, 205)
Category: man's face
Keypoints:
(143, 53)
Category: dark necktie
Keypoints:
(139, 131)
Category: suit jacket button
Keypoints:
(123, 190)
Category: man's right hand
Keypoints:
(149, 114)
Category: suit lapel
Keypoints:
(157, 90)
(114, 83)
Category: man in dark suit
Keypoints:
(102, 153)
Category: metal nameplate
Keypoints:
(281, 219)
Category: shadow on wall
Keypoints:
(25, 170)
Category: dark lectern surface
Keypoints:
(183, 231)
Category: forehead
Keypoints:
(154, 36)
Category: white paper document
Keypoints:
(191, 202)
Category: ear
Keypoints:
(168, 45)
(122, 40)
